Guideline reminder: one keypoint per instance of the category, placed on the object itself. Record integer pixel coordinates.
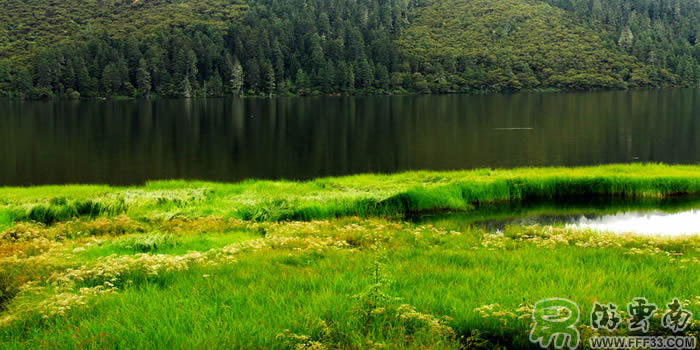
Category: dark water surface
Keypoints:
(129, 142)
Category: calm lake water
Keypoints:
(129, 142)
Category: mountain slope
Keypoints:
(660, 33)
(30, 25)
(518, 44)
(188, 48)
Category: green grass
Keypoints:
(160, 243)
(251, 301)
(196, 264)
(6, 219)
(362, 195)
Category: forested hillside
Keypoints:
(516, 44)
(665, 34)
(33, 24)
(189, 48)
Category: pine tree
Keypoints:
(341, 76)
(365, 75)
(237, 77)
(143, 78)
(215, 86)
(382, 77)
(303, 83)
(253, 74)
(86, 84)
(22, 83)
(112, 79)
(626, 38)
(269, 75)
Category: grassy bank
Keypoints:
(362, 195)
(193, 264)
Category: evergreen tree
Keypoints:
(365, 75)
(22, 83)
(112, 79)
(302, 82)
(269, 74)
(143, 78)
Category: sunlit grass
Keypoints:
(305, 277)
(361, 195)
(195, 264)
(164, 243)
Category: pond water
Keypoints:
(677, 216)
(650, 223)
(129, 142)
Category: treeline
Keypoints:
(287, 47)
(276, 47)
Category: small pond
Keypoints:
(665, 217)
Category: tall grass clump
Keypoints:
(146, 243)
(269, 211)
(60, 209)
(6, 219)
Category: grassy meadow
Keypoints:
(329, 263)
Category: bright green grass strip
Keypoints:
(361, 195)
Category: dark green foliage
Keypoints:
(88, 208)
(515, 45)
(664, 34)
(229, 47)
(59, 209)
(51, 213)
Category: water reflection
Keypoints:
(662, 217)
(129, 142)
(650, 223)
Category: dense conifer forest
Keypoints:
(212, 48)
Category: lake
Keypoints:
(130, 142)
